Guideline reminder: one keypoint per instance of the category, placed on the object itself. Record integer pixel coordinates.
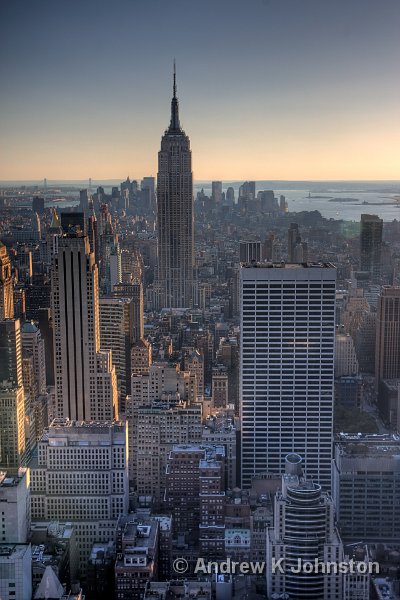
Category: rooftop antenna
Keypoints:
(174, 78)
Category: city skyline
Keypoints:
(275, 90)
(199, 378)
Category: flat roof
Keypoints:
(286, 265)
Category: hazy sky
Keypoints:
(268, 89)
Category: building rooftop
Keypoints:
(13, 551)
(283, 265)
(29, 327)
(101, 551)
(60, 428)
(384, 589)
(7, 481)
(368, 445)
(160, 590)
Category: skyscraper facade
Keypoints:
(287, 367)
(80, 474)
(387, 349)
(6, 285)
(116, 330)
(85, 377)
(33, 345)
(303, 530)
(175, 216)
(371, 245)
(12, 399)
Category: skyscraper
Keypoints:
(287, 367)
(116, 334)
(33, 344)
(304, 530)
(387, 349)
(85, 377)
(297, 250)
(6, 285)
(216, 193)
(133, 291)
(371, 245)
(12, 400)
(175, 216)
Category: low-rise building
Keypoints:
(137, 557)
(54, 545)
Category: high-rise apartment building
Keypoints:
(11, 351)
(220, 387)
(163, 380)
(152, 432)
(175, 216)
(6, 285)
(366, 486)
(81, 474)
(141, 357)
(287, 367)
(212, 503)
(133, 291)
(116, 334)
(303, 530)
(15, 510)
(195, 493)
(371, 245)
(387, 347)
(33, 344)
(85, 377)
(12, 418)
(346, 362)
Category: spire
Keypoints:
(175, 126)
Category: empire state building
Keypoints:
(175, 215)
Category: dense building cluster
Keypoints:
(190, 379)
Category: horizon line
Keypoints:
(121, 179)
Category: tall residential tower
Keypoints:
(175, 216)
(371, 245)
